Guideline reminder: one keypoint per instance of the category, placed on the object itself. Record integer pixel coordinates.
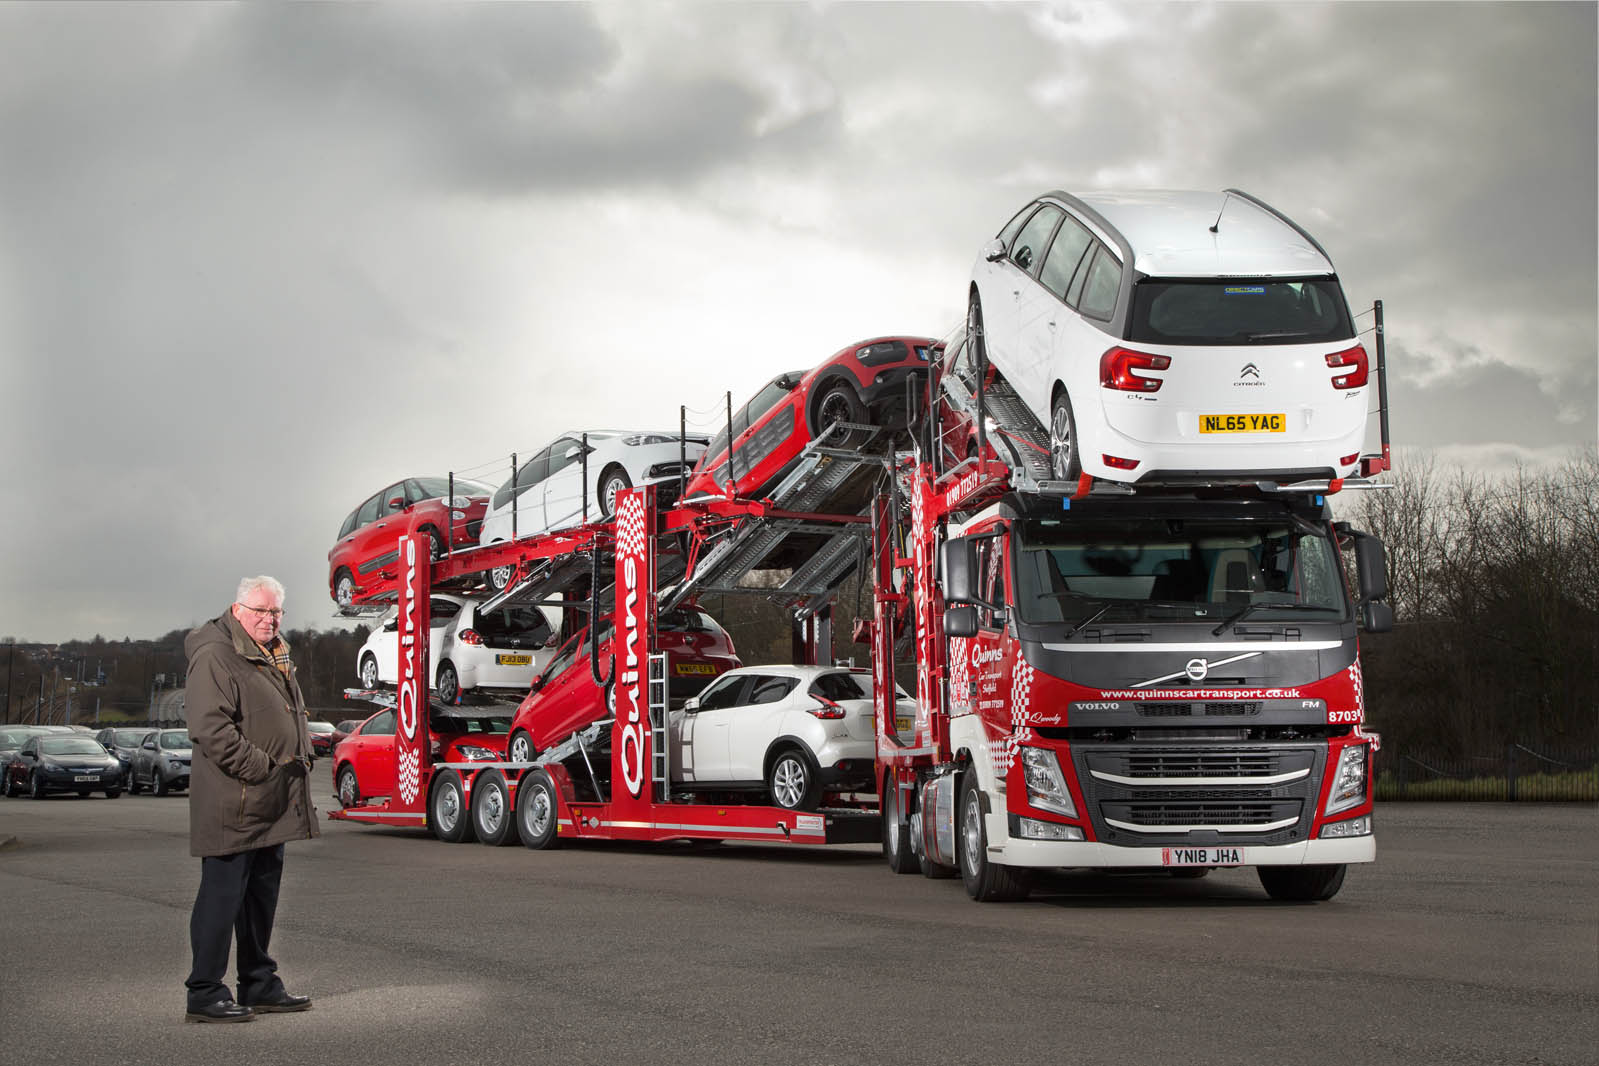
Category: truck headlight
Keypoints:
(1046, 785)
(1349, 781)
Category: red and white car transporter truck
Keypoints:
(1161, 679)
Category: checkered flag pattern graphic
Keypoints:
(960, 683)
(1021, 690)
(409, 780)
(630, 523)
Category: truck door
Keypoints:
(986, 652)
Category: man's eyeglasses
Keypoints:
(272, 612)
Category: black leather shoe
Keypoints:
(282, 1003)
(223, 1010)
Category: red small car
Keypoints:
(363, 762)
(565, 698)
(368, 541)
(864, 383)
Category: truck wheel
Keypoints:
(521, 747)
(791, 781)
(1301, 884)
(896, 833)
(447, 812)
(985, 881)
(492, 816)
(1065, 450)
(349, 787)
(537, 811)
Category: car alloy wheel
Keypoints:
(791, 782)
(1065, 461)
(369, 672)
(611, 485)
(344, 588)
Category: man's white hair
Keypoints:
(250, 584)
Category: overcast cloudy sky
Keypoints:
(258, 261)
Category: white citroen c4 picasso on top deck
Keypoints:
(1174, 337)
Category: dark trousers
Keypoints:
(238, 899)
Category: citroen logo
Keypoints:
(1197, 669)
(1250, 370)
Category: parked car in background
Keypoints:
(548, 491)
(1173, 336)
(321, 737)
(864, 384)
(367, 544)
(363, 763)
(344, 729)
(161, 762)
(794, 732)
(64, 762)
(12, 737)
(468, 648)
(121, 741)
(564, 697)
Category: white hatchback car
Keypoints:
(793, 731)
(1174, 337)
(468, 648)
(549, 491)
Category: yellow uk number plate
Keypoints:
(1243, 423)
(514, 660)
(695, 668)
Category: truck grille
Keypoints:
(1153, 795)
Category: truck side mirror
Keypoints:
(959, 563)
(1376, 617)
(1371, 559)
(960, 621)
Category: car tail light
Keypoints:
(825, 708)
(470, 636)
(1354, 359)
(1116, 462)
(1349, 460)
(1118, 369)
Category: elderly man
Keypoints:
(248, 794)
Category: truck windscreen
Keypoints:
(1173, 571)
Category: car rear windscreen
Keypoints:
(1239, 311)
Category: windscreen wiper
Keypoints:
(1102, 605)
(1251, 608)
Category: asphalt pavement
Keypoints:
(1473, 939)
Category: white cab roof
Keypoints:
(1170, 234)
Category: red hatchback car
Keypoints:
(363, 762)
(368, 540)
(565, 698)
(864, 383)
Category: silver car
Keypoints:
(161, 762)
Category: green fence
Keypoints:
(1519, 773)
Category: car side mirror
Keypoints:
(397, 503)
(538, 683)
(149, 745)
(691, 704)
(994, 250)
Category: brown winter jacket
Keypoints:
(247, 721)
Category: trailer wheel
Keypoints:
(447, 813)
(792, 781)
(537, 810)
(521, 747)
(896, 833)
(985, 881)
(1301, 884)
(492, 816)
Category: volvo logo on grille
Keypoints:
(1197, 669)
(1250, 370)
